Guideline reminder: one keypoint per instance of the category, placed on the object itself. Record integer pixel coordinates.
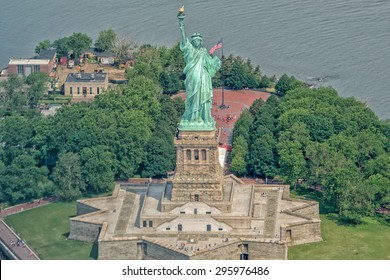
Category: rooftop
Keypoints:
(47, 54)
(86, 77)
(105, 54)
(28, 61)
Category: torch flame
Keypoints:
(181, 10)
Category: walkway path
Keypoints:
(24, 206)
(9, 238)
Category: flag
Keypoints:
(216, 47)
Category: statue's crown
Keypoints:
(196, 35)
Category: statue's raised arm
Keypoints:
(181, 17)
(200, 68)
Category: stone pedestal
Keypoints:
(199, 175)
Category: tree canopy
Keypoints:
(314, 137)
(106, 40)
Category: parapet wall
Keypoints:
(300, 233)
(309, 210)
(118, 250)
(267, 250)
(235, 222)
(133, 249)
(303, 232)
(154, 251)
(84, 231)
(83, 208)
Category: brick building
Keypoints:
(45, 62)
(85, 84)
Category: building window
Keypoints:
(180, 227)
(196, 154)
(182, 212)
(188, 154)
(197, 197)
(220, 228)
(168, 228)
(90, 90)
(208, 212)
(144, 223)
(78, 90)
(98, 90)
(244, 256)
(84, 90)
(37, 68)
(203, 154)
(70, 90)
(150, 223)
(195, 211)
(208, 227)
(20, 70)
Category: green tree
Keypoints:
(160, 154)
(12, 96)
(286, 83)
(67, 177)
(79, 42)
(261, 158)
(237, 78)
(292, 162)
(319, 159)
(238, 156)
(370, 145)
(243, 125)
(264, 82)
(97, 165)
(105, 40)
(63, 46)
(45, 44)
(37, 85)
(169, 82)
(340, 185)
(15, 136)
(379, 165)
(22, 180)
(379, 191)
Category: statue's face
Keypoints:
(197, 42)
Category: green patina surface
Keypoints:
(200, 68)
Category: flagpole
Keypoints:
(223, 106)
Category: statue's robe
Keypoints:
(200, 68)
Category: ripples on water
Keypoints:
(347, 41)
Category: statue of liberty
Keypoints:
(200, 68)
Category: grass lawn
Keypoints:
(368, 241)
(46, 228)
